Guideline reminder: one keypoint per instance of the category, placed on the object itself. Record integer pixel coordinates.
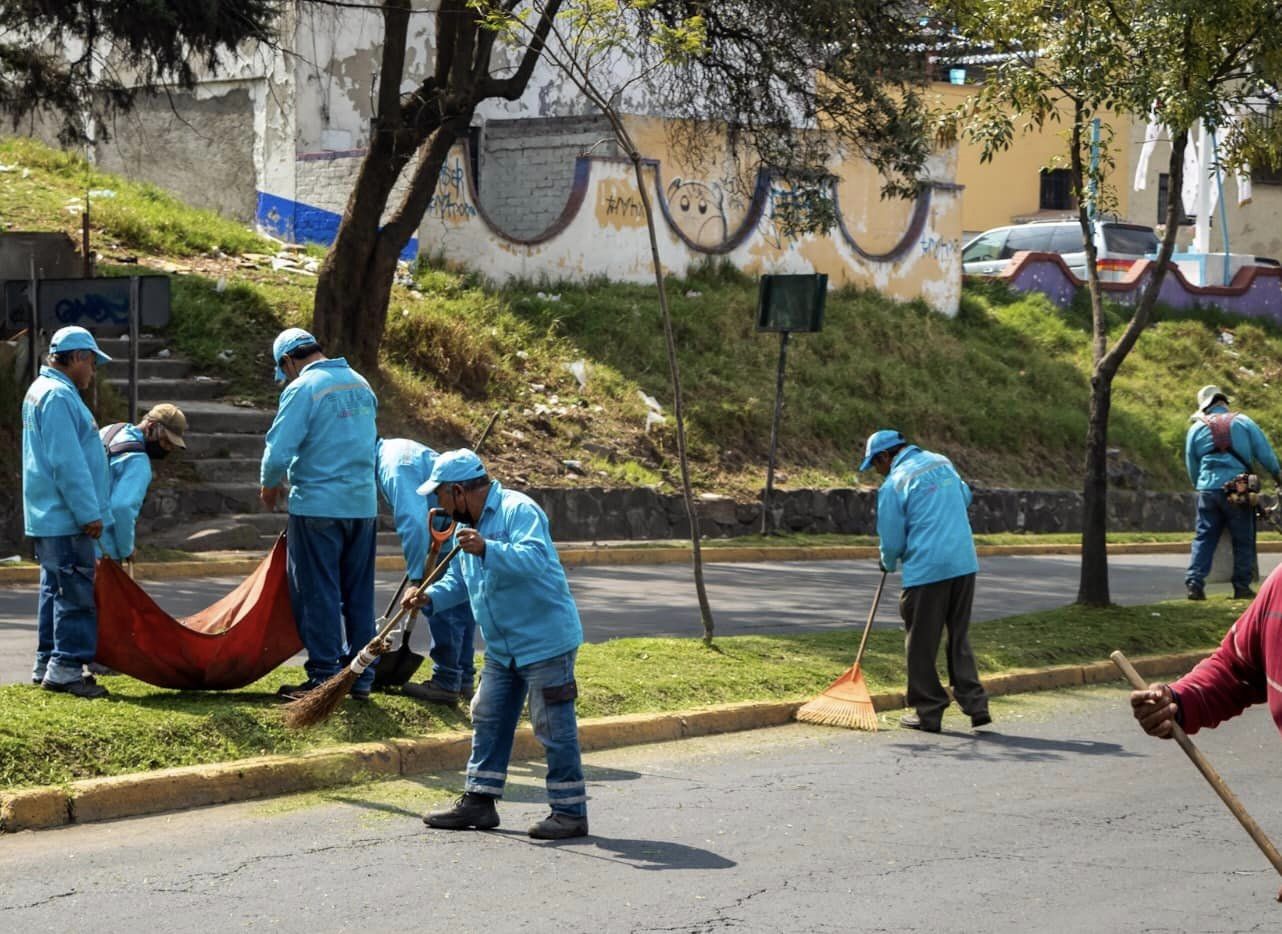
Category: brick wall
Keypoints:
(526, 168)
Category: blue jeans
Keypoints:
(453, 647)
(67, 631)
(551, 688)
(1214, 514)
(331, 589)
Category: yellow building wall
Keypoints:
(1008, 188)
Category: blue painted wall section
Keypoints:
(296, 222)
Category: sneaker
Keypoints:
(292, 692)
(1195, 591)
(910, 721)
(559, 826)
(1243, 593)
(470, 810)
(980, 719)
(431, 692)
(83, 687)
(359, 694)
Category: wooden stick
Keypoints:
(1213, 777)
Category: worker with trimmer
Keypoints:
(922, 521)
(322, 440)
(403, 467)
(510, 573)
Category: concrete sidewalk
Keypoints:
(197, 786)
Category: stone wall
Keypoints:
(526, 168)
(604, 515)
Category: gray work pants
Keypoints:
(927, 611)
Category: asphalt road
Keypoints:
(1063, 819)
(659, 600)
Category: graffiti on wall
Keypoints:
(619, 204)
(940, 248)
(450, 202)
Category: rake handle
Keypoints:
(876, 600)
(1208, 771)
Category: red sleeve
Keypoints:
(1233, 679)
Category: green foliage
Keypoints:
(50, 739)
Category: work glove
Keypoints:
(882, 567)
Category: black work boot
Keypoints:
(431, 692)
(559, 826)
(470, 810)
(1195, 590)
(84, 687)
(1243, 593)
(910, 721)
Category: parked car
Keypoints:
(1117, 245)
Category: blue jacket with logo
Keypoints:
(403, 466)
(1210, 469)
(517, 590)
(323, 441)
(921, 519)
(64, 466)
(130, 476)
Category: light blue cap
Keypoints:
(287, 340)
(453, 467)
(76, 338)
(879, 441)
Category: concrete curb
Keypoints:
(624, 556)
(142, 793)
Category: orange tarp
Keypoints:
(229, 645)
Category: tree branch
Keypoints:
(513, 87)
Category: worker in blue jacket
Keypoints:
(1219, 446)
(511, 575)
(922, 521)
(322, 441)
(65, 508)
(403, 467)
(130, 451)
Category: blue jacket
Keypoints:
(403, 466)
(921, 519)
(323, 441)
(64, 467)
(130, 477)
(1210, 469)
(518, 591)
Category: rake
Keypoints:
(846, 702)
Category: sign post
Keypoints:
(786, 304)
(135, 314)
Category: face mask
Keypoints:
(461, 515)
(155, 451)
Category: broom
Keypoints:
(846, 701)
(317, 704)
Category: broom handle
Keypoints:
(1208, 772)
(437, 573)
(876, 599)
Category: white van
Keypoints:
(1119, 246)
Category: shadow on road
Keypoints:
(649, 855)
(993, 747)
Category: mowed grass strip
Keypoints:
(51, 739)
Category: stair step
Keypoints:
(173, 368)
(388, 542)
(220, 418)
(228, 469)
(241, 445)
(118, 347)
(178, 391)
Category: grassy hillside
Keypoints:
(1002, 388)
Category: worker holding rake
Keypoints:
(511, 575)
(922, 521)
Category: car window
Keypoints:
(1130, 241)
(1067, 238)
(985, 247)
(1027, 238)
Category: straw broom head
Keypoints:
(845, 703)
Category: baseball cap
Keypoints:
(73, 337)
(171, 420)
(878, 441)
(453, 467)
(287, 340)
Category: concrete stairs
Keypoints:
(206, 499)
